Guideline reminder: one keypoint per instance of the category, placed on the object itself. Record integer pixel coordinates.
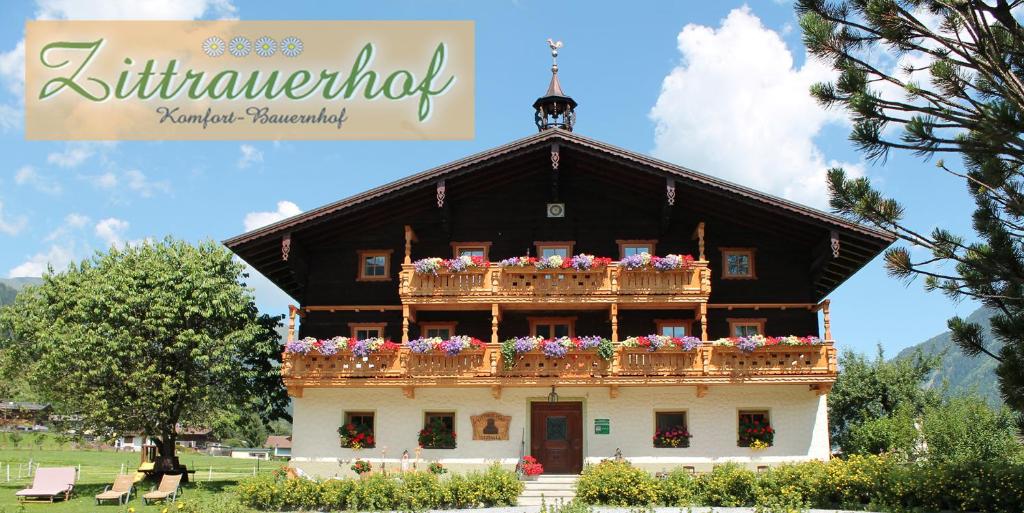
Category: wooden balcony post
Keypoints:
(699, 235)
(826, 320)
(292, 310)
(704, 322)
(615, 322)
(495, 313)
(405, 324)
(410, 236)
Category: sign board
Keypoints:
(602, 426)
(490, 426)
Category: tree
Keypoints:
(872, 389)
(957, 90)
(150, 338)
(965, 428)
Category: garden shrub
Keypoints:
(795, 483)
(498, 487)
(419, 491)
(616, 483)
(728, 485)
(375, 492)
(334, 494)
(679, 488)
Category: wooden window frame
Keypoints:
(355, 326)
(534, 321)
(346, 418)
(455, 427)
(449, 325)
(767, 412)
(361, 266)
(759, 322)
(651, 243)
(688, 323)
(541, 244)
(751, 254)
(486, 246)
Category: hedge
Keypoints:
(859, 482)
(410, 491)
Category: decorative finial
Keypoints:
(555, 45)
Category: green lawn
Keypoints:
(98, 468)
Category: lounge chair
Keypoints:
(121, 491)
(50, 483)
(168, 489)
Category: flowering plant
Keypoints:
(551, 262)
(360, 467)
(585, 262)
(530, 466)
(755, 432)
(522, 261)
(655, 342)
(453, 265)
(436, 468)
(356, 437)
(647, 261)
(580, 262)
(326, 347)
(676, 436)
(365, 347)
(451, 347)
(556, 347)
(748, 344)
(437, 435)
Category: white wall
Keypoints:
(798, 415)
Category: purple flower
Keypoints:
(636, 261)
(422, 345)
(427, 265)
(582, 262)
(302, 346)
(524, 344)
(746, 344)
(362, 348)
(588, 342)
(668, 263)
(330, 346)
(452, 346)
(689, 343)
(457, 264)
(554, 348)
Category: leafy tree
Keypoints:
(957, 90)
(891, 434)
(872, 389)
(966, 428)
(149, 338)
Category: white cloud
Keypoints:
(28, 175)
(737, 107)
(11, 225)
(106, 180)
(73, 221)
(285, 209)
(72, 156)
(12, 68)
(111, 230)
(58, 256)
(250, 155)
(133, 9)
(138, 182)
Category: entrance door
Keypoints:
(556, 436)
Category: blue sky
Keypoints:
(717, 86)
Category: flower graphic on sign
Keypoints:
(291, 46)
(265, 46)
(240, 46)
(213, 46)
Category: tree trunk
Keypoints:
(166, 459)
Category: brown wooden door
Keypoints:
(556, 436)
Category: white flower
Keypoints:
(291, 46)
(240, 46)
(213, 46)
(265, 46)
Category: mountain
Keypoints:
(963, 373)
(9, 288)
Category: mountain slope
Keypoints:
(963, 373)
(9, 288)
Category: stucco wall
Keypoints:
(798, 415)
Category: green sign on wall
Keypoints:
(602, 426)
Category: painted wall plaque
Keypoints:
(490, 426)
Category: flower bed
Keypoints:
(351, 436)
(453, 265)
(655, 342)
(580, 262)
(450, 347)
(749, 344)
(644, 261)
(331, 346)
(756, 434)
(555, 348)
(676, 436)
(436, 435)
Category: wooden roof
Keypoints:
(261, 247)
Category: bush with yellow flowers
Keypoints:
(616, 483)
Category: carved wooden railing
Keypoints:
(610, 283)
(627, 362)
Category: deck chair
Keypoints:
(168, 489)
(50, 483)
(121, 490)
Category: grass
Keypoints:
(98, 469)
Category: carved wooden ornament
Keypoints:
(490, 426)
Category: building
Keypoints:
(24, 416)
(280, 444)
(715, 389)
(192, 438)
(250, 453)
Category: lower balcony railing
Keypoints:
(705, 364)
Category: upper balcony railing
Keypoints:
(609, 284)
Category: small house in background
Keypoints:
(218, 449)
(250, 453)
(281, 445)
(132, 442)
(24, 416)
(195, 438)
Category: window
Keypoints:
(547, 249)
(438, 430)
(738, 264)
(674, 327)
(670, 429)
(473, 249)
(358, 430)
(552, 327)
(635, 247)
(374, 265)
(443, 330)
(754, 425)
(745, 327)
(363, 331)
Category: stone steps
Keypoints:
(549, 489)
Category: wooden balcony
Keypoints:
(707, 365)
(509, 286)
